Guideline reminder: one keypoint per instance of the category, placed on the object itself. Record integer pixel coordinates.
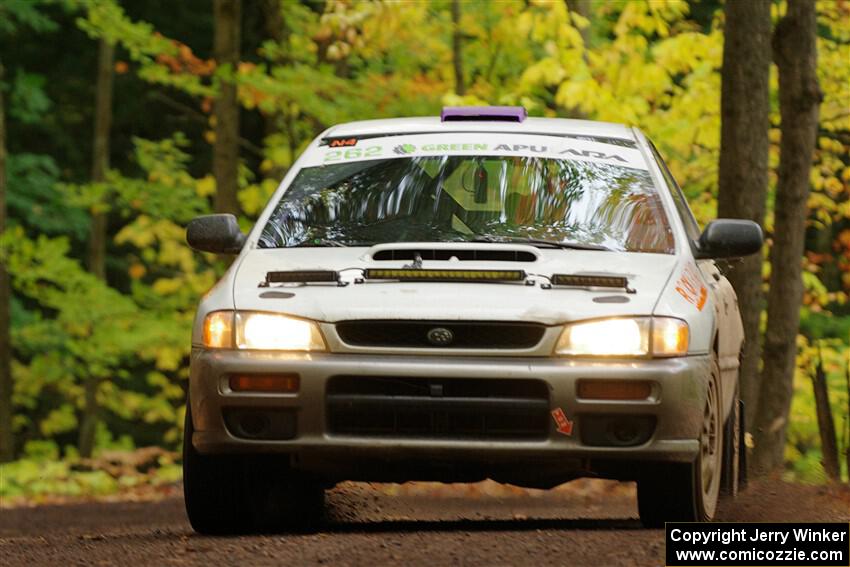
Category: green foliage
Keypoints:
(27, 100)
(156, 55)
(32, 478)
(134, 343)
(648, 63)
(42, 476)
(16, 14)
(34, 200)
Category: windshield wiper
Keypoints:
(539, 242)
(320, 243)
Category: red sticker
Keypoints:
(343, 142)
(565, 426)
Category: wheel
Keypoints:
(211, 488)
(730, 479)
(232, 494)
(688, 492)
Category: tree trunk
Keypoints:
(228, 18)
(457, 49)
(799, 98)
(97, 238)
(582, 8)
(744, 108)
(277, 29)
(275, 26)
(7, 439)
(826, 425)
(100, 154)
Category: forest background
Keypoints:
(113, 122)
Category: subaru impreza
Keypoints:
(470, 296)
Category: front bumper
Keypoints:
(676, 404)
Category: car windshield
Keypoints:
(457, 198)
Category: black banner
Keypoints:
(762, 545)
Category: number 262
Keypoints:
(353, 153)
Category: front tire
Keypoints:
(688, 492)
(233, 494)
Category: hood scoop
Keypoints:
(484, 254)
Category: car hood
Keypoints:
(647, 275)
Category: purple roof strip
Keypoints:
(483, 113)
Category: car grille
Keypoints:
(464, 335)
(438, 408)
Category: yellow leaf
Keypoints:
(136, 271)
(206, 186)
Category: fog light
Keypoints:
(613, 389)
(279, 383)
(253, 425)
(616, 430)
(623, 431)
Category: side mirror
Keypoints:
(215, 233)
(728, 238)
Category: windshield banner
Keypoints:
(477, 143)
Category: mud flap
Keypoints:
(742, 449)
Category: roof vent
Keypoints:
(483, 114)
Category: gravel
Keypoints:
(584, 523)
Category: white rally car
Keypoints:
(479, 295)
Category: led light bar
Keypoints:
(302, 276)
(590, 281)
(416, 275)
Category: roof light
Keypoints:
(483, 113)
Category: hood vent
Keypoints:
(463, 255)
(301, 276)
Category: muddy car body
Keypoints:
(476, 295)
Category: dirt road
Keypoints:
(585, 523)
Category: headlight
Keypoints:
(637, 336)
(261, 331)
(268, 331)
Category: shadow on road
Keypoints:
(333, 527)
(495, 525)
(479, 526)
